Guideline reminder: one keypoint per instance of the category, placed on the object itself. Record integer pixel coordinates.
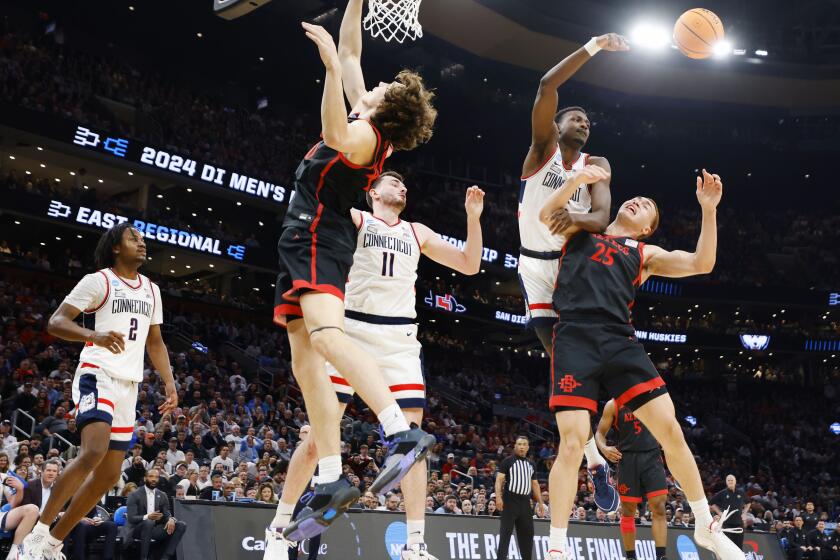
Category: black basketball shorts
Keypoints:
(310, 261)
(641, 473)
(587, 357)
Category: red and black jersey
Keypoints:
(327, 185)
(597, 278)
(632, 434)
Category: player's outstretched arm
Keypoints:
(63, 325)
(604, 427)
(596, 220)
(159, 356)
(555, 205)
(350, 52)
(543, 129)
(351, 138)
(468, 260)
(678, 264)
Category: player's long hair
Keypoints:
(406, 115)
(104, 253)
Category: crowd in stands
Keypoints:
(228, 423)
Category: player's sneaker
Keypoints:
(556, 555)
(35, 547)
(404, 450)
(416, 552)
(276, 545)
(712, 538)
(327, 504)
(606, 497)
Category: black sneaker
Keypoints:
(404, 450)
(327, 504)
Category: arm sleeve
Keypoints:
(89, 293)
(157, 312)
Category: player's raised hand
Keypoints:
(590, 174)
(112, 340)
(613, 42)
(326, 45)
(709, 190)
(474, 203)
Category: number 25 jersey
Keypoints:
(381, 280)
(597, 277)
(122, 305)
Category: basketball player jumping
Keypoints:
(127, 314)
(557, 138)
(640, 473)
(595, 345)
(316, 251)
(381, 319)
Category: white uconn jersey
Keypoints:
(121, 305)
(381, 280)
(535, 189)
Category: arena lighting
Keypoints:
(835, 428)
(739, 52)
(722, 49)
(692, 421)
(11, 157)
(761, 52)
(650, 36)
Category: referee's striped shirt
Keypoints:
(519, 472)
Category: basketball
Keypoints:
(697, 31)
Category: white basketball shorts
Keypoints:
(398, 354)
(536, 279)
(98, 396)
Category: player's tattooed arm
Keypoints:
(468, 260)
(63, 325)
(159, 356)
(350, 52)
(598, 218)
(678, 264)
(551, 213)
(604, 427)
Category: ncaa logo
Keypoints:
(395, 539)
(686, 548)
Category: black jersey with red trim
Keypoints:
(327, 185)
(597, 277)
(632, 434)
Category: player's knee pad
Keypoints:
(627, 525)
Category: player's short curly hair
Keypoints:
(559, 114)
(104, 252)
(406, 115)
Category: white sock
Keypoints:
(702, 515)
(283, 515)
(593, 456)
(41, 529)
(416, 531)
(392, 420)
(557, 538)
(13, 552)
(329, 469)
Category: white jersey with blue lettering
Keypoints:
(381, 280)
(534, 191)
(122, 305)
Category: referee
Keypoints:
(731, 498)
(517, 482)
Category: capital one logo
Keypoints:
(755, 341)
(395, 536)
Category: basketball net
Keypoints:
(393, 19)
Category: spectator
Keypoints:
(450, 505)
(21, 518)
(797, 540)
(363, 464)
(392, 503)
(91, 528)
(215, 490)
(148, 518)
(38, 493)
(222, 461)
(817, 543)
(266, 494)
(809, 517)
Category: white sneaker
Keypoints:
(416, 552)
(33, 546)
(276, 545)
(713, 538)
(556, 555)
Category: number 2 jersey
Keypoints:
(122, 305)
(381, 280)
(597, 278)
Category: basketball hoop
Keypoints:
(393, 19)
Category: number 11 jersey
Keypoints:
(381, 280)
(122, 305)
